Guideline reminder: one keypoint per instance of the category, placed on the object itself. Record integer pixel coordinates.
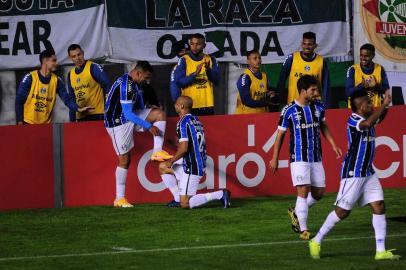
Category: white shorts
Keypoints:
(123, 136)
(308, 173)
(177, 168)
(188, 184)
(359, 190)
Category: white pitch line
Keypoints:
(186, 248)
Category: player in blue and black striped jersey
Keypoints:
(305, 119)
(188, 165)
(359, 183)
(125, 112)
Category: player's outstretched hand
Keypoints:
(387, 99)
(273, 165)
(155, 131)
(85, 109)
(338, 152)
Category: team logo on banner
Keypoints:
(385, 23)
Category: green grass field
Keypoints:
(254, 234)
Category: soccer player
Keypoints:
(367, 75)
(36, 93)
(89, 83)
(305, 118)
(196, 74)
(359, 183)
(125, 112)
(301, 63)
(188, 165)
(253, 95)
(181, 48)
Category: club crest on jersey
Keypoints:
(43, 90)
(307, 68)
(78, 80)
(317, 113)
(262, 86)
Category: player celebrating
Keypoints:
(359, 183)
(192, 151)
(196, 74)
(89, 83)
(305, 119)
(125, 110)
(301, 63)
(367, 75)
(253, 95)
(36, 94)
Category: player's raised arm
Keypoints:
(378, 115)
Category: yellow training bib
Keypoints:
(41, 100)
(299, 68)
(201, 91)
(88, 92)
(359, 76)
(258, 91)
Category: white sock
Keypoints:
(310, 200)
(201, 199)
(301, 210)
(328, 224)
(379, 223)
(121, 176)
(159, 140)
(172, 184)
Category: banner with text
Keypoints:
(382, 23)
(147, 29)
(29, 26)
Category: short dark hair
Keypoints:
(197, 35)
(305, 82)
(354, 96)
(144, 66)
(369, 47)
(309, 35)
(251, 52)
(180, 45)
(73, 47)
(46, 54)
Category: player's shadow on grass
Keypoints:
(398, 219)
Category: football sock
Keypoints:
(310, 200)
(379, 223)
(159, 140)
(301, 210)
(172, 184)
(200, 199)
(121, 176)
(328, 224)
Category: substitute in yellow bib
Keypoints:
(89, 83)
(196, 74)
(305, 62)
(37, 92)
(367, 75)
(253, 94)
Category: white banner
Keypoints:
(382, 23)
(23, 37)
(274, 43)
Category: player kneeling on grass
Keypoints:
(125, 112)
(305, 119)
(359, 183)
(188, 165)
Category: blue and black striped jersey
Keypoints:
(304, 125)
(361, 149)
(123, 91)
(190, 129)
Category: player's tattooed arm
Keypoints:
(325, 130)
(274, 163)
(378, 115)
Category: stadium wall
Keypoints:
(239, 148)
